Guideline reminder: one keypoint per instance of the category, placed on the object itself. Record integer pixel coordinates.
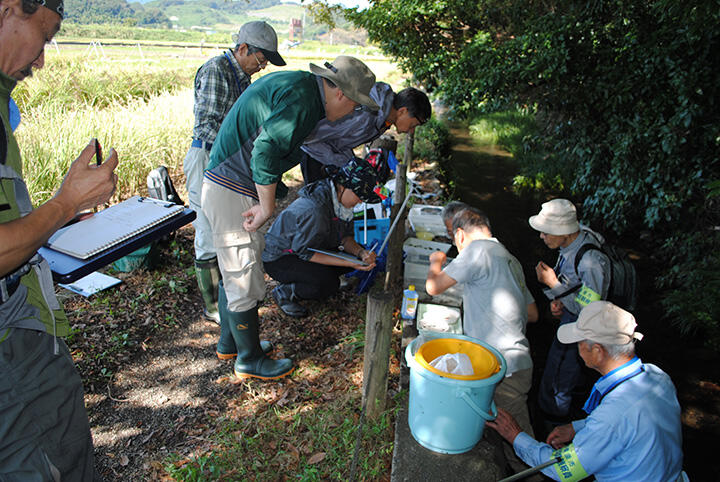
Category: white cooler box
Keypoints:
(428, 219)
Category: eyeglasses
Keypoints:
(262, 64)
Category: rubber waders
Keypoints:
(251, 361)
(226, 344)
(208, 279)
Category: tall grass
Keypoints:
(73, 82)
(140, 106)
(145, 134)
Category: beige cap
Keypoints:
(261, 35)
(352, 76)
(557, 217)
(601, 322)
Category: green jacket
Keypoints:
(30, 306)
(261, 136)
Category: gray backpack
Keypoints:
(160, 186)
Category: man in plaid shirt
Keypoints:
(218, 84)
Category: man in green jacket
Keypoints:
(44, 430)
(258, 141)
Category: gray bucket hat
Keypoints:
(261, 35)
(352, 76)
(557, 217)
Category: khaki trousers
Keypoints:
(238, 251)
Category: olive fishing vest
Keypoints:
(33, 304)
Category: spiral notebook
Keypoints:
(111, 226)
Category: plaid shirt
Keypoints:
(218, 84)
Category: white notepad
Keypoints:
(112, 226)
(340, 255)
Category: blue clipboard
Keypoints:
(67, 269)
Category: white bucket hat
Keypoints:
(601, 322)
(351, 76)
(557, 217)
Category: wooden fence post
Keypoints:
(378, 334)
(393, 276)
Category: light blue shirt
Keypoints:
(633, 434)
(594, 271)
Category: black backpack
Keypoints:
(623, 277)
(160, 186)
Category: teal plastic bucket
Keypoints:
(448, 415)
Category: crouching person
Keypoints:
(321, 218)
(632, 431)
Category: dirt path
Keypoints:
(483, 178)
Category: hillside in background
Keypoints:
(206, 15)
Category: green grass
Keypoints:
(122, 32)
(137, 101)
(311, 441)
(505, 129)
(145, 134)
(513, 131)
(73, 82)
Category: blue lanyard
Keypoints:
(13, 114)
(596, 397)
(234, 71)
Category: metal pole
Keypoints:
(532, 470)
(395, 221)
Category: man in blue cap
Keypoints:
(44, 429)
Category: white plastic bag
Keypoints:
(453, 363)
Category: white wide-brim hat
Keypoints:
(601, 322)
(557, 217)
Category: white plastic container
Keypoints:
(438, 319)
(425, 218)
(421, 247)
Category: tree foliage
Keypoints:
(627, 93)
(114, 12)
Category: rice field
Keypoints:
(136, 99)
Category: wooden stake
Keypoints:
(378, 334)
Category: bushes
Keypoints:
(432, 141)
(627, 94)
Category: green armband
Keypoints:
(586, 296)
(569, 468)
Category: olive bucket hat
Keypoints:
(352, 76)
